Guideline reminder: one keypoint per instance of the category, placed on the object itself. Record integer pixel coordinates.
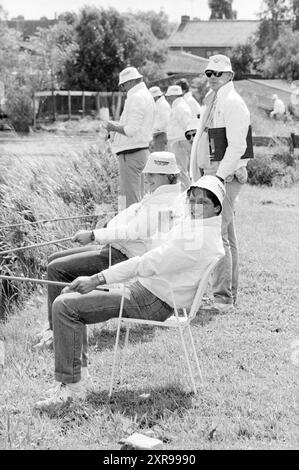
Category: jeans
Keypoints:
(225, 278)
(67, 265)
(72, 312)
(131, 184)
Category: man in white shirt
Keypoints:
(129, 232)
(132, 135)
(225, 109)
(162, 114)
(181, 260)
(279, 108)
(189, 98)
(180, 117)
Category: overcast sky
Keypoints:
(34, 9)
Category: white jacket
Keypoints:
(162, 115)
(193, 104)
(137, 119)
(181, 260)
(132, 229)
(232, 113)
(180, 117)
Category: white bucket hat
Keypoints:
(162, 163)
(213, 184)
(219, 63)
(193, 125)
(174, 90)
(155, 91)
(129, 73)
(274, 97)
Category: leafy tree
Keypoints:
(275, 13)
(158, 22)
(222, 10)
(284, 59)
(242, 59)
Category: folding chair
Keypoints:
(182, 323)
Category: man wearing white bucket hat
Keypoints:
(132, 135)
(225, 109)
(129, 232)
(162, 114)
(180, 117)
(181, 260)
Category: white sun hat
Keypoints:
(213, 184)
(162, 163)
(274, 97)
(155, 91)
(174, 90)
(193, 125)
(219, 63)
(129, 73)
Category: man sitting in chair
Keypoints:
(181, 260)
(129, 233)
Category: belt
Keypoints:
(125, 152)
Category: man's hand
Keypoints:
(83, 284)
(83, 237)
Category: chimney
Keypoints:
(185, 19)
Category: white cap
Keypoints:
(155, 91)
(129, 73)
(193, 125)
(274, 97)
(162, 163)
(174, 90)
(213, 184)
(219, 63)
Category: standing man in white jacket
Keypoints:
(180, 117)
(162, 115)
(189, 98)
(182, 261)
(225, 109)
(133, 135)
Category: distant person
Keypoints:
(162, 115)
(180, 117)
(188, 97)
(279, 108)
(225, 108)
(133, 135)
(191, 130)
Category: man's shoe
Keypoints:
(45, 340)
(64, 393)
(223, 308)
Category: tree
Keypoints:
(284, 59)
(158, 22)
(222, 10)
(242, 59)
(276, 13)
(107, 42)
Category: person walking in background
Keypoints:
(162, 114)
(132, 135)
(191, 130)
(279, 108)
(224, 109)
(180, 117)
(188, 97)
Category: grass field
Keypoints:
(250, 360)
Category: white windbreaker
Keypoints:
(162, 115)
(181, 260)
(180, 117)
(137, 119)
(132, 229)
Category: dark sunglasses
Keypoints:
(209, 73)
(190, 135)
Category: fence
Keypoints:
(66, 104)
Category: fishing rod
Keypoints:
(36, 245)
(27, 222)
(43, 281)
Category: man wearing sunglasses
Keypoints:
(224, 109)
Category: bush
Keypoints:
(273, 170)
(19, 109)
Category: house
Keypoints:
(206, 38)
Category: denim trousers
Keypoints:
(131, 182)
(226, 273)
(67, 265)
(72, 312)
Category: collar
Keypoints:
(168, 188)
(136, 88)
(225, 89)
(177, 101)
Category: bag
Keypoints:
(218, 144)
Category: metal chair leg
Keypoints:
(125, 353)
(195, 355)
(188, 360)
(116, 347)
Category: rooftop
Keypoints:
(184, 62)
